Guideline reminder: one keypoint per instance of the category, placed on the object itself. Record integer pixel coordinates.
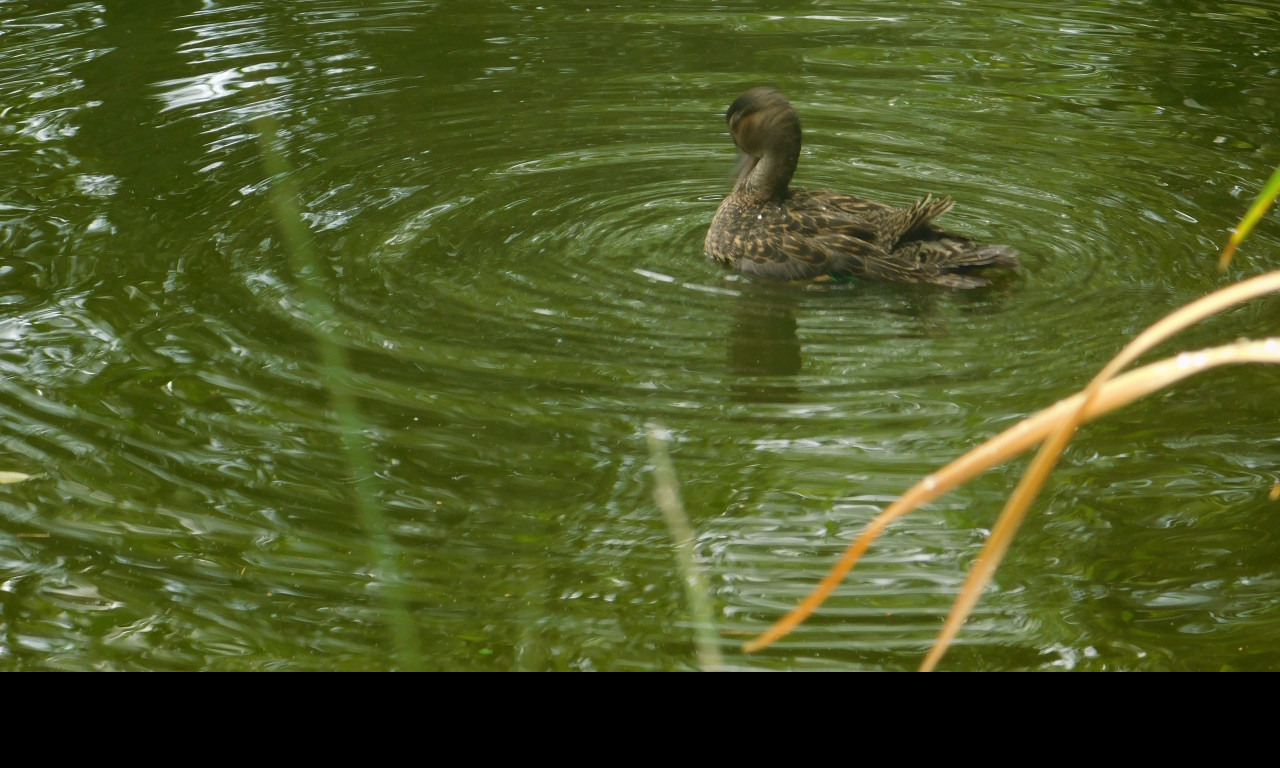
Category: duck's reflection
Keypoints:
(764, 349)
(764, 346)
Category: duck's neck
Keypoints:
(771, 174)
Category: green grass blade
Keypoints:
(1259, 207)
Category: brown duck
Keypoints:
(768, 229)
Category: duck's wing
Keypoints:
(951, 252)
(818, 212)
(847, 236)
(853, 257)
(838, 204)
(804, 239)
(886, 224)
(796, 255)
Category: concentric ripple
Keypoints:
(501, 210)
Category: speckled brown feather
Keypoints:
(768, 229)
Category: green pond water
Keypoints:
(377, 398)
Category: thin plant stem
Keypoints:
(335, 373)
(1264, 200)
(666, 493)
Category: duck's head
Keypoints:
(763, 124)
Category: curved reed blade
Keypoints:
(1116, 393)
(1259, 207)
(1046, 458)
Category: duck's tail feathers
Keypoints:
(932, 207)
(922, 211)
(956, 269)
(999, 256)
(960, 281)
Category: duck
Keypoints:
(770, 230)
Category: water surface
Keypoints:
(502, 209)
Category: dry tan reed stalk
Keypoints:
(1046, 459)
(1109, 395)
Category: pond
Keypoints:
(332, 333)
